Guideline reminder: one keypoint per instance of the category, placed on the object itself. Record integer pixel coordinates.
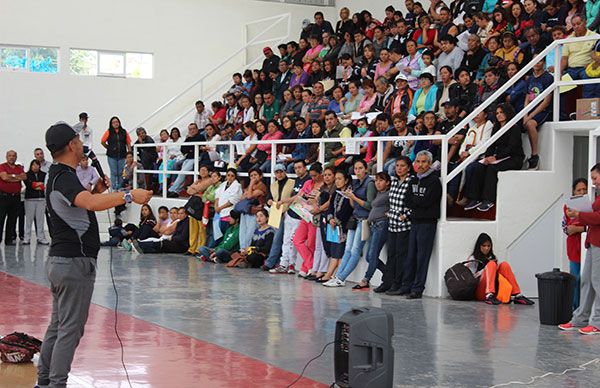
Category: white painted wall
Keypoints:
(187, 38)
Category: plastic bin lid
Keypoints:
(555, 274)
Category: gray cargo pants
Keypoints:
(590, 291)
(72, 284)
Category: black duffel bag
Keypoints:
(461, 282)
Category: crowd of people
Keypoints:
(414, 73)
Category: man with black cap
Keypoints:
(71, 264)
(82, 129)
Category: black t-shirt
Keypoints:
(74, 230)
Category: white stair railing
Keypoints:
(200, 83)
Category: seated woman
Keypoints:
(254, 198)
(254, 255)
(505, 154)
(178, 242)
(486, 269)
(229, 244)
(425, 97)
(509, 52)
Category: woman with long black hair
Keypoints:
(504, 154)
(117, 142)
(485, 267)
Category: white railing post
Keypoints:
(231, 155)
(557, 74)
(196, 162)
(273, 161)
(444, 176)
(164, 173)
(134, 185)
(321, 153)
(380, 147)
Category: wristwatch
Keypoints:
(127, 197)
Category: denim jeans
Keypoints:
(589, 91)
(247, 227)
(354, 247)
(575, 270)
(377, 239)
(454, 184)
(116, 167)
(275, 253)
(223, 256)
(177, 186)
(390, 166)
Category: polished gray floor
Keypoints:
(285, 321)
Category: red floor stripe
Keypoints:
(155, 356)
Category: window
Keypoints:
(111, 63)
(32, 59)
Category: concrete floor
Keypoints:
(284, 321)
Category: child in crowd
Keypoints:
(117, 234)
(229, 244)
(254, 256)
(485, 267)
(573, 230)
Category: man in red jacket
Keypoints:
(12, 176)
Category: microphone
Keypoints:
(95, 163)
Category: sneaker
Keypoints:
(291, 270)
(265, 268)
(335, 282)
(302, 274)
(491, 299)
(485, 206)
(41, 242)
(279, 270)
(126, 245)
(450, 200)
(520, 299)
(136, 247)
(568, 327)
(589, 330)
(201, 258)
(533, 163)
(25, 243)
(473, 204)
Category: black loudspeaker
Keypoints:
(364, 357)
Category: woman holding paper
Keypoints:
(584, 319)
(305, 237)
(338, 215)
(361, 195)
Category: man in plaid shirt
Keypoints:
(399, 228)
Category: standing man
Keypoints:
(82, 129)
(38, 154)
(423, 200)
(201, 115)
(71, 264)
(12, 176)
(147, 156)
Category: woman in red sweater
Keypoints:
(584, 319)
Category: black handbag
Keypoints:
(352, 223)
(195, 207)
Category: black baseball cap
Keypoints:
(58, 136)
(453, 102)
(83, 115)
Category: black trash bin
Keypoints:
(555, 290)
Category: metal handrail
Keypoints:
(252, 42)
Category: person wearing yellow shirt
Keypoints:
(593, 71)
(576, 56)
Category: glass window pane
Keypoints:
(83, 62)
(13, 58)
(111, 63)
(139, 65)
(43, 60)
